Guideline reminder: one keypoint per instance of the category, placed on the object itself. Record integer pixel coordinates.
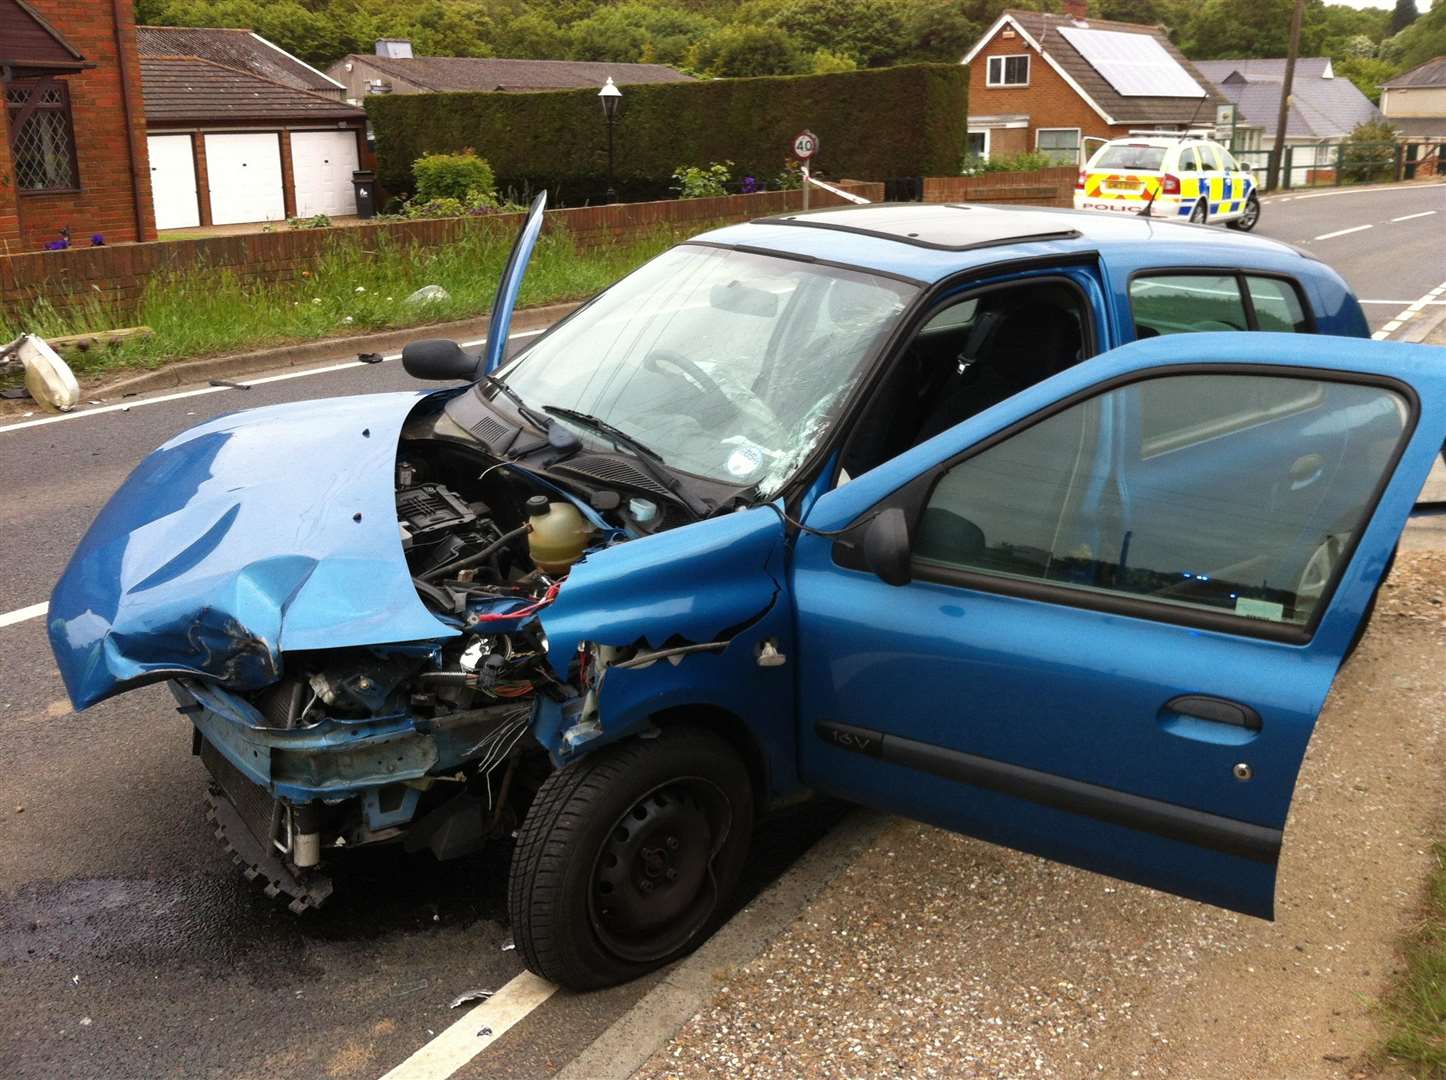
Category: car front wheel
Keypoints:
(1249, 217)
(627, 858)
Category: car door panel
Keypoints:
(1152, 742)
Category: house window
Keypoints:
(42, 138)
(1060, 145)
(1008, 70)
(976, 144)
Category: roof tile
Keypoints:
(179, 88)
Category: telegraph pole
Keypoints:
(1272, 178)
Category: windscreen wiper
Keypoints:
(646, 456)
(544, 422)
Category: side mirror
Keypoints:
(886, 547)
(438, 358)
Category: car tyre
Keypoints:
(1249, 217)
(1200, 213)
(627, 858)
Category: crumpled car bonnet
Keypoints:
(257, 532)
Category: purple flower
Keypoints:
(97, 240)
(749, 185)
(58, 245)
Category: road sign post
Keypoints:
(805, 145)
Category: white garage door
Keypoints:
(322, 162)
(173, 181)
(245, 177)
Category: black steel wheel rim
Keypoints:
(653, 885)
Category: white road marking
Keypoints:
(1409, 312)
(1365, 190)
(136, 403)
(1341, 232)
(476, 1031)
(1409, 217)
(19, 615)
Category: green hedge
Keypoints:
(874, 124)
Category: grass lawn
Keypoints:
(208, 312)
(1415, 1009)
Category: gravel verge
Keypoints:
(936, 955)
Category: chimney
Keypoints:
(394, 48)
(1077, 9)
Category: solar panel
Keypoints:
(1136, 65)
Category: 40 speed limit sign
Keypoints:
(805, 145)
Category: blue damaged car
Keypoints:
(960, 512)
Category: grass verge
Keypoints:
(351, 290)
(1414, 1010)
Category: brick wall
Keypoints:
(1048, 100)
(1043, 187)
(119, 274)
(115, 194)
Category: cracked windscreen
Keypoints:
(730, 365)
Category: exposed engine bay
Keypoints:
(488, 546)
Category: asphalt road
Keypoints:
(1386, 242)
(129, 945)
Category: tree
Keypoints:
(1421, 41)
(1403, 15)
(1367, 73)
(1249, 28)
(870, 31)
(739, 51)
(938, 30)
(827, 63)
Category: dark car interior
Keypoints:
(971, 354)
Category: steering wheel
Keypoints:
(706, 385)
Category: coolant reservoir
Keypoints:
(559, 534)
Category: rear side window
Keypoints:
(1194, 303)
(1130, 156)
(1277, 305)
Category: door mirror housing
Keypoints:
(886, 547)
(438, 358)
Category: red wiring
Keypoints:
(530, 609)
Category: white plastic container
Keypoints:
(48, 378)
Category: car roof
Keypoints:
(926, 242)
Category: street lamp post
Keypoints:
(611, 97)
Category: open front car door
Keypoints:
(1119, 600)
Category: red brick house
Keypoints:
(73, 152)
(1058, 84)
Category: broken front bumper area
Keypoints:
(281, 799)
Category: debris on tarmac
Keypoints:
(229, 384)
(467, 997)
(509, 946)
(369, 357)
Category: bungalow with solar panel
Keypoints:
(1060, 85)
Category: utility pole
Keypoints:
(1272, 178)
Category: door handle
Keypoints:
(1306, 470)
(1210, 719)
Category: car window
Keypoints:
(1186, 303)
(1210, 157)
(1189, 161)
(1130, 156)
(1277, 305)
(1077, 501)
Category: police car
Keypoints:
(1177, 176)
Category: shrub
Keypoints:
(1369, 152)
(1025, 162)
(319, 221)
(452, 176)
(904, 121)
(701, 182)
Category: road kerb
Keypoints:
(188, 372)
(649, 1025)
